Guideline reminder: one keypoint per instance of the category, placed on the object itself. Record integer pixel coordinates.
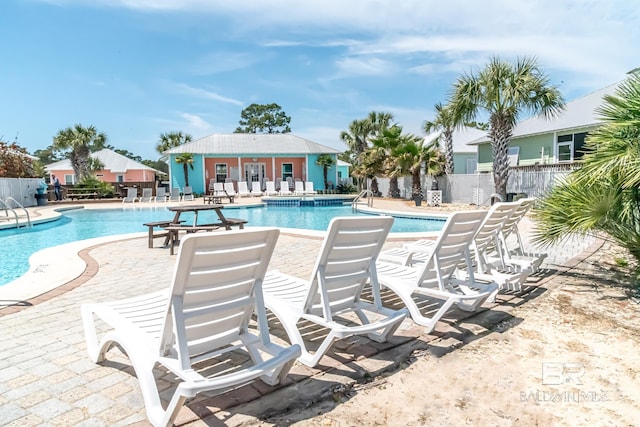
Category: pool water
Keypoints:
(17, 245)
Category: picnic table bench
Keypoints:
(152, 229)
(216, 198)
(83, 193)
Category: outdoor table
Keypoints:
(175, 226)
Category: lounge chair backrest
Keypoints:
(228, 187)
(511, 225)
(271, 187)
(132, 195)
(299, 187)
(451, 248)
(486, 239)
(255, 187)
(175, 194)
(242, 187)
(216, 285)
(161, 192)
(218, 187)
(284, 185)
(345, 263)
(147, 194)
(309, 187)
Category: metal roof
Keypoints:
(579, 113)
(252, 143)
(112, 161)
(461, 139)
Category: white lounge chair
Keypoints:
(161, 194)
(187, 194)
(271, 189)
(308, 188)
(255, 188)
(243, 190)
(132, 195)
(344, 265)
(284, 189)
(218, 189)
(147, 195)
(175, 195)
(228, 188)
(512, 249)
(435, 278)
(215, 290)
(298, 188)
(484, 241)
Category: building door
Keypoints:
(254, 172)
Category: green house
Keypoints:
(558, 141)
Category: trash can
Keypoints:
(41, 199)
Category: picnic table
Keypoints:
(83, 193)
(175, 225)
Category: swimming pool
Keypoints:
(17, 245)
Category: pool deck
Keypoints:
(46, 377)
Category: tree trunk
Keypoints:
(375, 190)
(448, 152)
(185, 168)
(326, 181)
(500, 135)
(394, 191)
(416, 186)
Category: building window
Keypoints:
(120, 178)
(570, 147)
(287, 170)
(221, 172)
(69, 179)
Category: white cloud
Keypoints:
(363, 66)
(222, 61)
(204, 93)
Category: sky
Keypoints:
(137, 68)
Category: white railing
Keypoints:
(18, 205)
(364, 193)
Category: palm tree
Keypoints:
(360, 132)
(80, 141)
(445, 123)
(326, 161)
(604, 195)
(186, 160)
(504, 92)
(413, 154)
(385, 147)
(171, 140)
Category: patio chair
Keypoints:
(271, 189)
(175, 195)
(344, 265)
(284, 188)
(228, 188)
(484, 242)
(298, 188)
(255, 188)
(147, 195)
(161, 194)
(435, 278)
(243, 190)
(132, 195)
(217, 189)
(192, 327)
(516, 255)
(308, 188)
(187, 194)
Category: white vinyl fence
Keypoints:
(23, 190)
(478, 188)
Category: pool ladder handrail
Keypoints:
(364, 193)
(4, 205)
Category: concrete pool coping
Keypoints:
(53, 267)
